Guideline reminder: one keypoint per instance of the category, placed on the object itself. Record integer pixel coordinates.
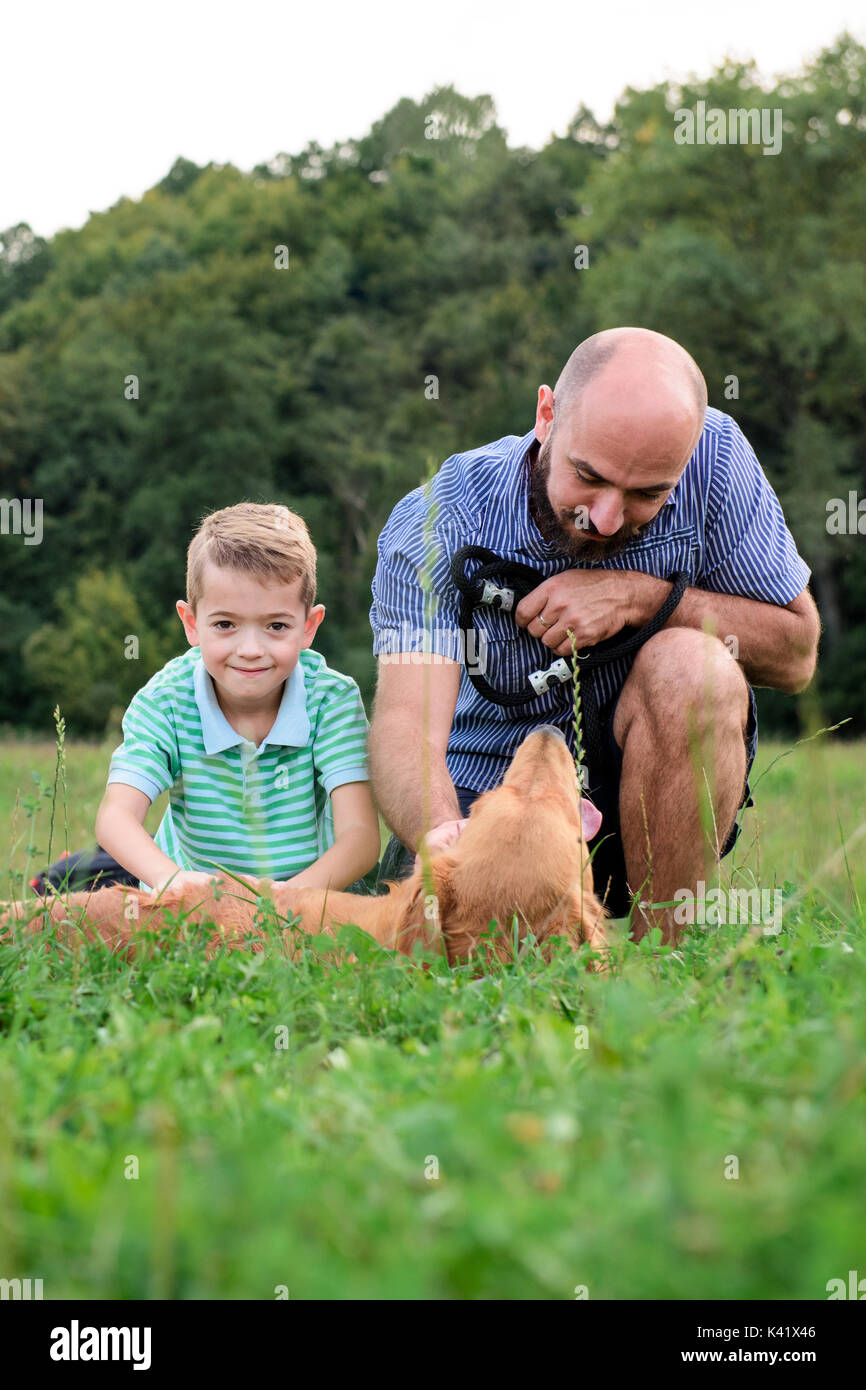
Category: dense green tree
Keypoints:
(327, 328)
(98, 651)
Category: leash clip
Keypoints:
(540, 680)
(496, 597)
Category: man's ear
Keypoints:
(312, 624)
(544, 414)
(187, 617)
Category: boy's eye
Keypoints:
(224, 624)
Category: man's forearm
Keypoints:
(774, 646)
(410, 780)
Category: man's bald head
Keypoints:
(615, 434)
(661, 365)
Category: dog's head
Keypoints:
(523, 855)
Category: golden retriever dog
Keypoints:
(521, 863)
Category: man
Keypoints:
(626, 479)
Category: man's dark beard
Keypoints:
(579, 545)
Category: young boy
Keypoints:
(259, 743)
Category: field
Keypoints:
(690, 1125)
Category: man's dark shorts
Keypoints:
(608, 863)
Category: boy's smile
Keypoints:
(251, 634)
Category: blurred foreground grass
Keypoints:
(191, 1129)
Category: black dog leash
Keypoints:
(480, 588)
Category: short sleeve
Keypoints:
(748, 548)
(340, 739)
(416, 545)
(149, 757)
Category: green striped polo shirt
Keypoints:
(263, 811)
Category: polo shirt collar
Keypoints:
(526, 443)
(290, 728)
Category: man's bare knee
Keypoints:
(677, 671)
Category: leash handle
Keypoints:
(523, 579)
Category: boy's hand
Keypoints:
(184, 878)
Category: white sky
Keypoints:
(100, 97)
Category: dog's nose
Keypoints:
(549, 729)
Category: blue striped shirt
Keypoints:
(722, 523)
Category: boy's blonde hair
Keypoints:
(263, 539)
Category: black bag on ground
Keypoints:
(86, 868)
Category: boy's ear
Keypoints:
(312, 624)
(187, 617)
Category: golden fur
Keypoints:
(521, 861)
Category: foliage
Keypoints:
(98, 653)
(426, 248)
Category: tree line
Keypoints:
(326, 328)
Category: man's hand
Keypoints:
(184, 878)
(595, 604)
(441, 836)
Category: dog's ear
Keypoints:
(423, 914)
(462, 923)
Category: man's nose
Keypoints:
(607, 515)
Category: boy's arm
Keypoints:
(120, 830)
(356, 841)
(145, 764)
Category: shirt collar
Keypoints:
(526, 443)
(291, 726)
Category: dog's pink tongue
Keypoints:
(591, 818)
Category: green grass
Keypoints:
(307, 1166)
